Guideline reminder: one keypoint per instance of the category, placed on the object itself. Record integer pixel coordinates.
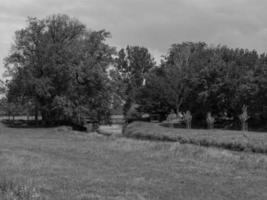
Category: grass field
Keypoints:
(61, 164)
(233, 140)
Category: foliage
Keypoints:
(59, 69)
(196, 77)
(171, 116)
(169, 85)
(60, 66)
(131, 67)
(133, 114)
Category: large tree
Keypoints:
(60, 66)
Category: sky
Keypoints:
(155, 24)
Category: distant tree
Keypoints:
(179, 72)
(170, 85)
(152, 97)
(225, 81)
(206, 94)
(206, 79)
(257, 101)
(131, 67)
(4, 107)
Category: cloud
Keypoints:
(154, 24)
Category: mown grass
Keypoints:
(67, 165)
(233, 140)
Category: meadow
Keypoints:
(227, 139)
(61, 164)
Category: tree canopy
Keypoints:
(60, 66)
(131, 67)
(64, 71)
(196, 77)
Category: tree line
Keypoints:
(63, 71)
(205, 79)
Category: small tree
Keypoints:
(133, 114)
(188, 119)
(244, 118)
(172, 116)
(131, 66)
(210, 120)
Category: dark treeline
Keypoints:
(202, 79)
(63, 71)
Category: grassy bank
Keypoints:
(62, 164)
(232, 140)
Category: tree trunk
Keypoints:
(177, 110)
(178, 105)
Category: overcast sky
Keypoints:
(155, 24)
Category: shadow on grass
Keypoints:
(29, 124)
(40, 124)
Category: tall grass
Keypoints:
(10, 190)
(232, 140)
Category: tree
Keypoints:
(178, 72)
(206, 79)
(131, 67)
(152, 97)
(170, 85)
(61, 66)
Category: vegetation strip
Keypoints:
(232, 140)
